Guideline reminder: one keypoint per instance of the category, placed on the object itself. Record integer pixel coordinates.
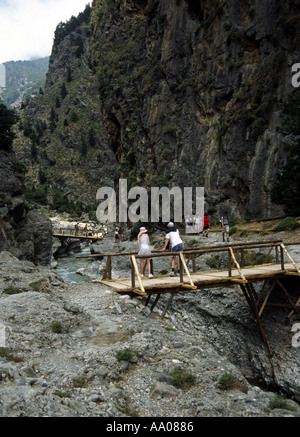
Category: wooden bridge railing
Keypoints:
(257, 300)
(68, 232)
(240, 248)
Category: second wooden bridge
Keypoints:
(270, 274)
(66, 234)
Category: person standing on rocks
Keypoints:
(225, 226)
(117, 236)
(205, 224)
(121, 233)
(173, 237)
(143, 243)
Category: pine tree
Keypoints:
(63, 91)
(7, 120)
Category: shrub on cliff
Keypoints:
(7, 120)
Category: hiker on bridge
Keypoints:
(173, 237)
(143, 244)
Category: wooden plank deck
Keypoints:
(205, 279)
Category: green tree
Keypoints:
(91, 137)
(53, 119)
(69, 75)
(63, 91)
(83, 147)
(7, 120)
(80, 47)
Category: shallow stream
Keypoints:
(68, 266)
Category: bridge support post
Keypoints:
(167, 305)
(250, 296)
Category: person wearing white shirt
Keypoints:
(173, 237)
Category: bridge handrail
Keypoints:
(202, 249)
(277, 244)
(76, 232)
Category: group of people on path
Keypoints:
(85, 231)
(173, 239)
(193, 225)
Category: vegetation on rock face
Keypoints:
(125, 355)
(65, 29)
(24, 79)
(235, 95)
(182, 378)
(59, 129)
(229, 382)
(169, 93)
(281, 402)
(287, 224)
(7, 120)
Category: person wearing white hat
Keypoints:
(143, 243)
(176, 242)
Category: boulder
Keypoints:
(35, 239)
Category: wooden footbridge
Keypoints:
(66, 234)
(269, 275)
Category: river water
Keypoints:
(68, 266)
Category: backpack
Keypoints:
(225, 220)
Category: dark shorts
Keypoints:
(177, 248)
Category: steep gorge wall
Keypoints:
(168, 93)
(215, 76)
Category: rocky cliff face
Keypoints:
(23, 230)
(167, 93)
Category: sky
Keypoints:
(27, 26)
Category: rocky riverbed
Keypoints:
(83, 350)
